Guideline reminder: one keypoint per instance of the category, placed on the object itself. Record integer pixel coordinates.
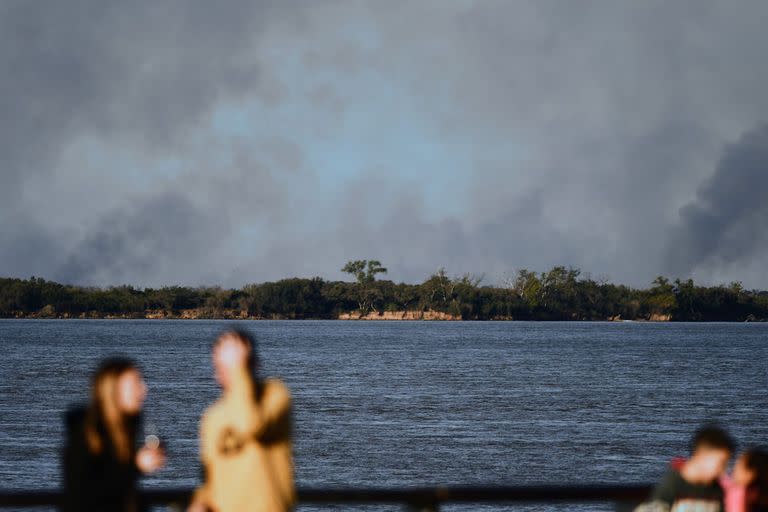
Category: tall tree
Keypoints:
(365, 273)
(364, 270)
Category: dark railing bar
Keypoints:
(418, 498)
(463, 494)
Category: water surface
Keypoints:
(410, 403)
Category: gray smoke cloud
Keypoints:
(140, 79)
(193, 143)
(126, 242)
(725, 225)
(144, 72)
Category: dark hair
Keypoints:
(712, 436)
(757, 461)
(114, 365)
(248, 339)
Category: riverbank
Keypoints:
(555, 295)
(233, 314)
(230, 314)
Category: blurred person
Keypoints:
(245, 437)
(746, 488)
(692, 485)
(101, 461)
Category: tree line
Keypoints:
(558, 294)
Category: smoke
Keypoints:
(127, 243)
(725, 224)
(119, 91)
(145, 73)
(160, 143)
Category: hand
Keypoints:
(197, 506)
(149, 460)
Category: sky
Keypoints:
(201, 143)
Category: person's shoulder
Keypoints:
(212, 412)
(74, 425)
(668, 487)
(671, 479)
(672, 474)
(75, 415)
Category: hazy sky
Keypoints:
(158, 143)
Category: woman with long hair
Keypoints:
(101, 460)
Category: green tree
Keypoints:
(661, 299)
(527, 286)
(364, 271)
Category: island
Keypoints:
(558, 294)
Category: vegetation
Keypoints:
(559, 294)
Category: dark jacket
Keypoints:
(677, 492)
(96, 482)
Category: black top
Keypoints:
(674, 490)
(98, 482)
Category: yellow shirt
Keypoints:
(246, 449)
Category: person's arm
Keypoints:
(75, 460)
(262, 416)
(199, 501)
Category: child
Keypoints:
(692, 485)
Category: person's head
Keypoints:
(233, 350)
(711, 449)
(751, 471)
(117, 396)
(117, 388)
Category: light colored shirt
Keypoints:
(246, 449)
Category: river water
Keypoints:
(410, 403)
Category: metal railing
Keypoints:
(425, 499)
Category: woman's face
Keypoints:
(131, 392)
(742, 473)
